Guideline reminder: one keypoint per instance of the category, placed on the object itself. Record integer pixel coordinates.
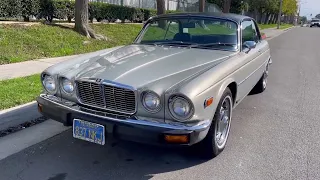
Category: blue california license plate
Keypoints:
(88, 131)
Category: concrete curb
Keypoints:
(18, 115)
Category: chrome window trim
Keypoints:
(110, 83)
(138, 39)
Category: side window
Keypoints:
(249, 32)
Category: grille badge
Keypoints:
(98, 80)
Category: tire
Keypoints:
(261, 86)
(213, 145)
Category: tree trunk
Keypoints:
(275, 19)
(266, 20)
(26, 18)
(81, 20)
(260, 16)
(178, 5)
(201, 5)
(161, 8)
(226, 6)
(271, 19)
(256, 14)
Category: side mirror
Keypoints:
(248, 45)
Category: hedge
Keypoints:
(64, 9)
(16, 8)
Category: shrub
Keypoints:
(113, 12)
(10, 8)
(64, 9)
(29, 8)
(46, 10)
(16, 8)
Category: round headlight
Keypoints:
(180, 108)
(49, 83)
(151, 101)
(67, 85)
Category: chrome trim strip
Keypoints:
(203, 125)
(110, 83)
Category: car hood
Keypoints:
(141, 65)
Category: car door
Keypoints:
(252, 60)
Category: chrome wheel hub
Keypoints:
(223, 124)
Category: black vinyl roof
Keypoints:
(234, 17)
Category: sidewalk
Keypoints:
(274, 32)
(10, 71)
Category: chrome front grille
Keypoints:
(119, 99)
(106, 96)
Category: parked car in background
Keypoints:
(177, 84)
(315, 22)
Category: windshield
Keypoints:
(193, 32)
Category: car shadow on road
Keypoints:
(76, 159)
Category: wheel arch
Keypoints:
(232, 85)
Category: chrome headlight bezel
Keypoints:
(44, 79)
(64, 80)
(155, 96)
(172, 100)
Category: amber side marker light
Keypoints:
(208, 102)
(40, 107)
(181, 139)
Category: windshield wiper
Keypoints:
(207, 45)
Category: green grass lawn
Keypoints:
(285, 26)
(267, 26)
(20, 43)
(18, 91)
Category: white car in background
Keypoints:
(315, 22)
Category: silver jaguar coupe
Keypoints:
(176, 84)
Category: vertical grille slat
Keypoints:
(106, 96)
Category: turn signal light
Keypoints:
(208, 102)
(181, 139)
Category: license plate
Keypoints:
(88, 131)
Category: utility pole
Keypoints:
(279, 16)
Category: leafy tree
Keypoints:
(289, 7)
(303, 19)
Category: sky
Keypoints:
(310, 7)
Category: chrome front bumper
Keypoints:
(128, 128)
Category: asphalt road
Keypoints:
(274, 135)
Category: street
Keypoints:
(274, 135)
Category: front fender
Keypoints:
(224, 86)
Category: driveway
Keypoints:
(274, 135)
